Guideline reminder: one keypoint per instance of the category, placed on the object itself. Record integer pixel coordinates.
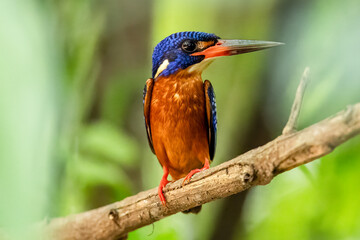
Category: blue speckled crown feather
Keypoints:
(170, 49)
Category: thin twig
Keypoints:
(290, 126)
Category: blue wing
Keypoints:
(211, 116)
(146, 103)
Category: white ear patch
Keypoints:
(162, 67)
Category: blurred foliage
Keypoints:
(295, 208)
(72, 136)
(30, 95)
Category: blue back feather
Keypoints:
(213, 121)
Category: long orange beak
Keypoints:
(234, 47)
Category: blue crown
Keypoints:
(170, 49)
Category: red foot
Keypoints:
(192, 172)
(162, 184)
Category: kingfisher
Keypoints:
(180, 108)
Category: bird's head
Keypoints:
(193, 51)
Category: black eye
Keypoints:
(189, 46)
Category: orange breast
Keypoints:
(178, 123)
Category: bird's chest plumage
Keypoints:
(178, 124)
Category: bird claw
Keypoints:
(160, 191)
(188, 177)
(192, 172)
(162, 199)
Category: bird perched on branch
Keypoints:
(179, 108)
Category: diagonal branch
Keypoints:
(256, 167)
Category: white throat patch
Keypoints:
(199, 67)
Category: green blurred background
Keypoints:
(72, 136)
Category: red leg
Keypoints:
(162, 184)
(192, 172)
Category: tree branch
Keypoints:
(256, 167)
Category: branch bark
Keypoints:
(256, 167)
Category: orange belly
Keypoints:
(178, 124)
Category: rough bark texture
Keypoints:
(256, 167)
